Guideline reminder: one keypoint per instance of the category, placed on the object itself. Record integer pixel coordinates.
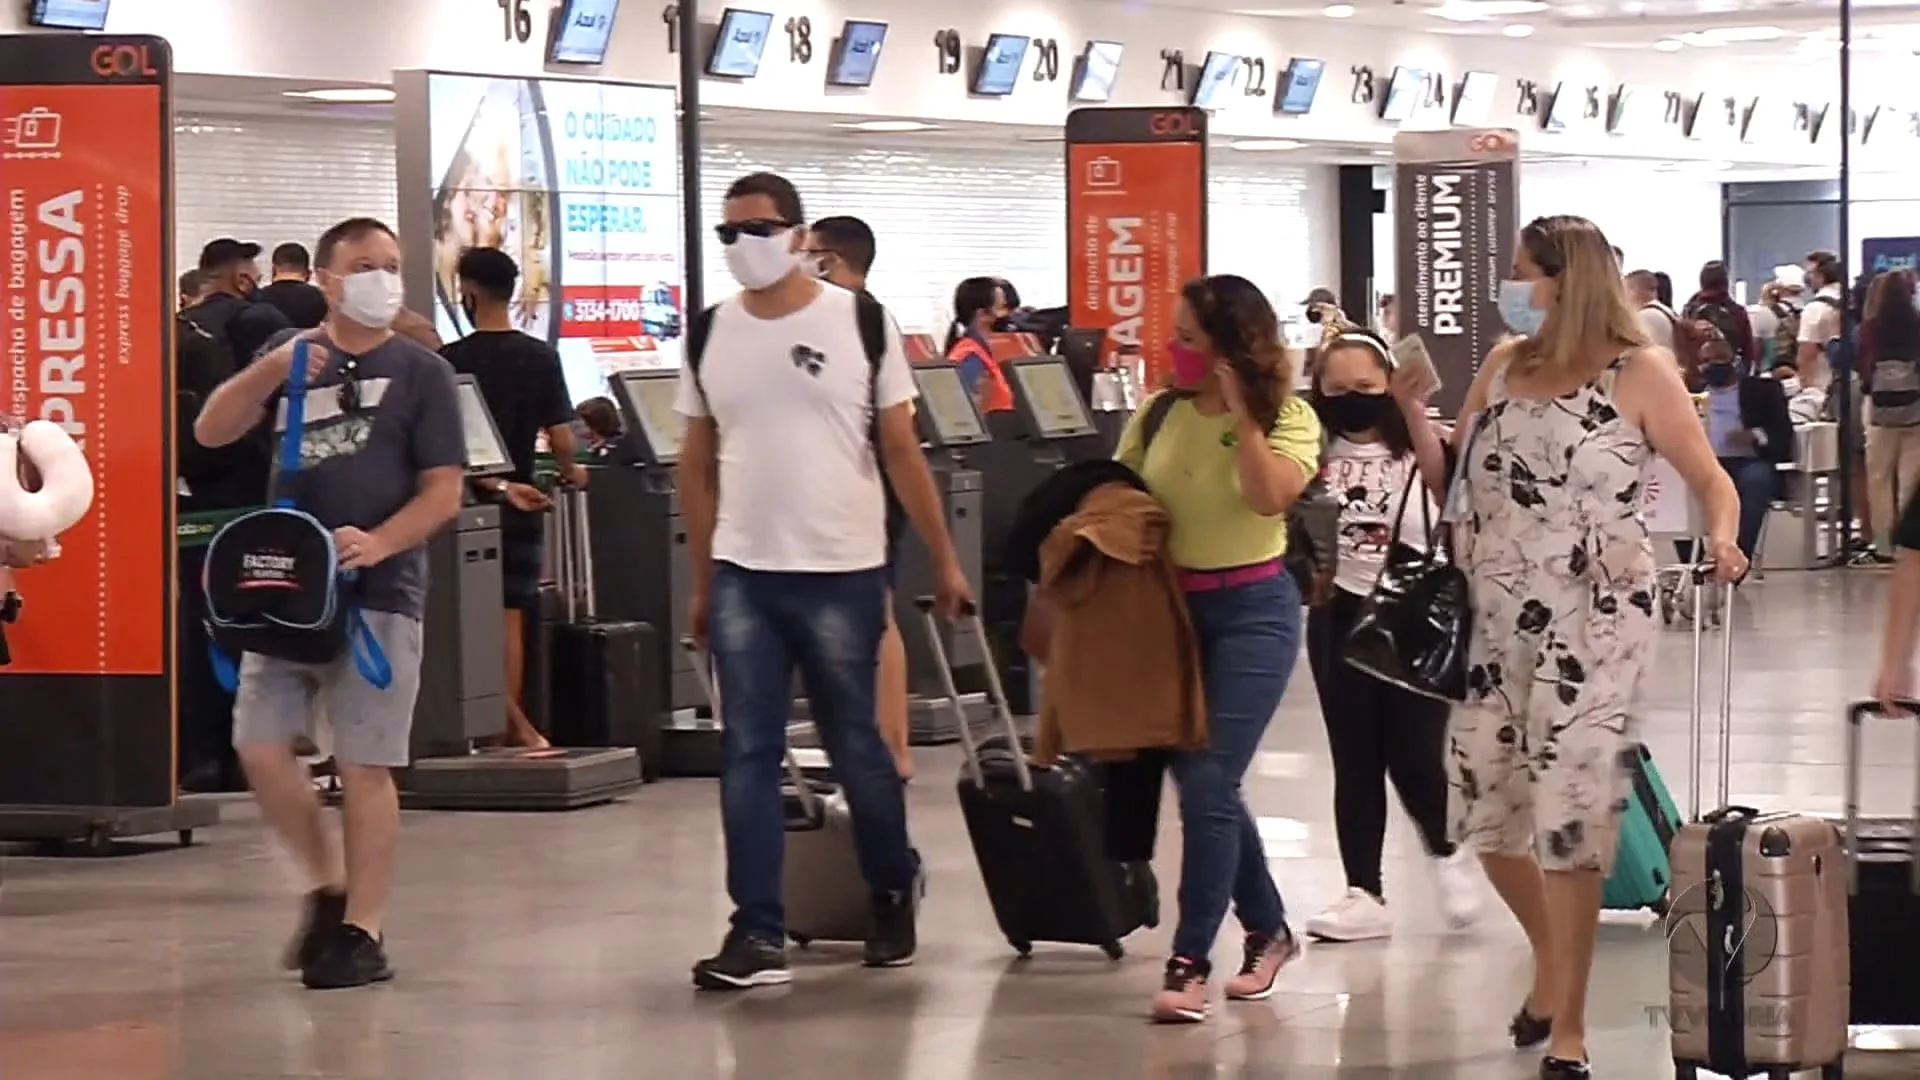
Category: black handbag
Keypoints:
(1413, 628)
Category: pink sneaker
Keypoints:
(1265, 957)
(1183, 997)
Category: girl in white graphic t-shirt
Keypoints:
(1383, 459)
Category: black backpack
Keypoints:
(1724, 317)
(223, 477)
(1313, 521)
(272, 579)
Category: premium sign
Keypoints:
(1136, 223)
(1454, 226)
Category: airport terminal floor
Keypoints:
(559, 945)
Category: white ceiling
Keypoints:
(1800, 29)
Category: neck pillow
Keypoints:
(45, 485)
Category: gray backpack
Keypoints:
(1895, 394)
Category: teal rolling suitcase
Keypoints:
(1642, 870)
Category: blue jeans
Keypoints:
(762, 626)
(1249, 640)
(1756, 480)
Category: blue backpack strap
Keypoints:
(368, 656)
(296, 399)
(225, 671)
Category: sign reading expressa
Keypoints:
(1136, 223)
(1454, 224)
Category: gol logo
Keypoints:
(1490, 142)
(1171, 124)
(123, 62)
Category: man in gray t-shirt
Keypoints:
(381, 458)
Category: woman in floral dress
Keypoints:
(1559, 428)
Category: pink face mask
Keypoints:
(1190, 365)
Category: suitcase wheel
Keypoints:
(1024, 948)
(801, 940)
(1661, 906)
(1114, 950)
(1683, 1070)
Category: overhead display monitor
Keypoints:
(738, 45)
(1216, 80)
(1299, 84)
(1474, 103)
(856, 56)
(1000, 65)
(1404, 92)
(1636, 110)
(946, 409)
(1564, 109)
(1094, 75)
(1044, 392)
(580, 183)
(69, 14)
(486, 450)
(646, 410)
(581, 31)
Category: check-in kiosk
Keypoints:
(950, 427)
(641, 569)
(462, 696)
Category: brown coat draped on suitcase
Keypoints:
(1123, 663)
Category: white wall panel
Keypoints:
(941, 213)
(272, 179)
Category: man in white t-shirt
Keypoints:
(789, 424)
(1656, 319)
(1820, 321)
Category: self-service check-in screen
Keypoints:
(652, 396)
(1056, 405)
(945, 398)
(484, 452)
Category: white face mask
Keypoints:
(372, 298)
(759, 262)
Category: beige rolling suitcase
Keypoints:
(1756, 930)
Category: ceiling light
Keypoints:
(1479, 10)
(1728, 35)
(1265, 144)
(345, 95)
(1338, 11)
(888, 127)
(1517, 30)
(1669, 45)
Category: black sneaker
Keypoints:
(349, 957)
(744, 962)
(326, 909)
(894, 937)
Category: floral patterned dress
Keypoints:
(1552, 538)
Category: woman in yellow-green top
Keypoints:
(1227, 461)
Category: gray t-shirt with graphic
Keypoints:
(360, 465)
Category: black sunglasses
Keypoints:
(349, 390)
(729, 231)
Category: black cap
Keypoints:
(226, 251)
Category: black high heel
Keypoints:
(1553, 1068)
(1528, 1030)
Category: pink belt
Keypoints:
(1214, 580)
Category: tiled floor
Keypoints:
(558, 946)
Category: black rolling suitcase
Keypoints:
(1883, 910)
(537, 630)
(606, 686)
(1039, 834)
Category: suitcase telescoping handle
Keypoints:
(576, 554)
(996, 692)
(710, 687)
(1857, 714)
(1702, 575)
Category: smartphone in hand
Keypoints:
(1410, 354)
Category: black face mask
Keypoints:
(1719, 373)
(1005, 325)
(1352, 413)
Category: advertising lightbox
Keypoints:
(578, 181)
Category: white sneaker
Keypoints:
(1357, 916)
(1457, 877)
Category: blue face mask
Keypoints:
(1517, 310)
